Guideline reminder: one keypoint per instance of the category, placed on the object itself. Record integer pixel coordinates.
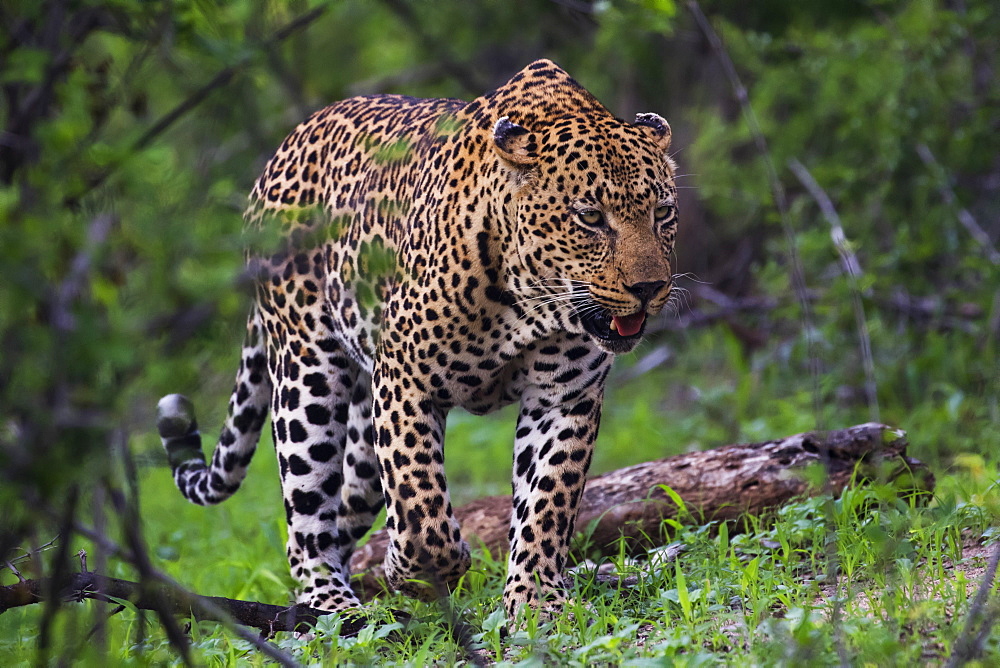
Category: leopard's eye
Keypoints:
(591, 217)
(662, 212)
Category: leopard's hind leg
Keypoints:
(361, 495)
(314, 381)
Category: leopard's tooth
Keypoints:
(614, 325)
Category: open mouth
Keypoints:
(612, 328)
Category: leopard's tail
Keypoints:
(206, 484)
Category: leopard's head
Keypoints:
(595, 209)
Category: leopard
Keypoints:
(423, 255)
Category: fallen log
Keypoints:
(724, 484)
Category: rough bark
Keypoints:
(724, 484)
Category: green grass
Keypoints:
(759, 597)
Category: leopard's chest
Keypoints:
(459, 347)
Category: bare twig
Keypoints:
(654, 358)
(948, 195)
(98, 630)
(98, 538)
(726, 309)
(28, 555)
(69, 288)
(853, 270)
(780, 201)
(60, 574)
(223, 77)
(289, 80)
(60, 312)
(847, 256)
(156, 591)
(161, 590)
(127, 509)
(417, 74)
(13, 569)
(932, 309)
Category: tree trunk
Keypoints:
(723, 484)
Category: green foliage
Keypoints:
(855, 102)
(132, 133)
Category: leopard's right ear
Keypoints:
(514, 143)
(656, 127)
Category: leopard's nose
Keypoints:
(645, 290)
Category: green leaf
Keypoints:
(25, 65)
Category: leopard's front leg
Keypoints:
(556, 429)
(425, 541)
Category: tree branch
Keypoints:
(964, 217)
(268, 618)
(853, 270)
(798, 280)
(223, 77)
(726, 309)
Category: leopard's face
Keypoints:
(596, 211)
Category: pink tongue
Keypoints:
(630, 324)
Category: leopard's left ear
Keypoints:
(514, 143)
(656, 127)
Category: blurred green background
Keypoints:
(133, 131)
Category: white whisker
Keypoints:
(544, 302)
(690, 276)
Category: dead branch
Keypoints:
(853, 270)
(797, 273)
(967, 220)
(155, 596)
(724, 484)
(726, 309)
(931, 310)
(221, 79)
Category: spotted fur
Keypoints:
(439, 253)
